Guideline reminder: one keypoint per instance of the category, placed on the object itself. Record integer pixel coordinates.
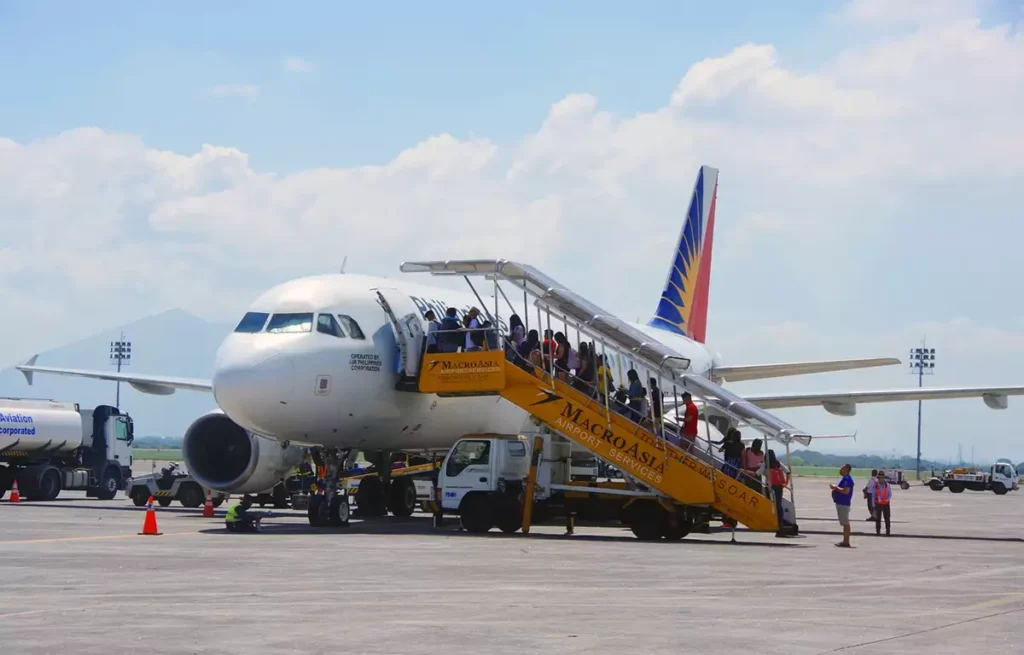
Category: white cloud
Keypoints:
(297, 65)
(234, 90)
(821, 168)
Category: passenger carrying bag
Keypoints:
(451, 334)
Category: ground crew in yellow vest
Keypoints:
(238, 519)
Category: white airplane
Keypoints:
(314, 361)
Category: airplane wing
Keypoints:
(767, 371)
(845, 403)
(152, 384)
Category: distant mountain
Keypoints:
(172, 343)
(815, 458)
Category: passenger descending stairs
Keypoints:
(652, 461)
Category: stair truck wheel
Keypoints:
(677, 526)
(647, 520)
(999, 488)
(508, 515)
(475, 514)
(191, 495)
(339, 511)
(402, 497)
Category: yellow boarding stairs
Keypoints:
(654, 462)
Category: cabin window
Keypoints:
(252, 322)
(290, 323)
(326, 324)
(516, 449)
(351, 327)
(121, 430)
(467, 453)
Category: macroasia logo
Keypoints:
(454, 365)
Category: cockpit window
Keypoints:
(351, 327)
(281, 323)
(326, 324)
(252, 322)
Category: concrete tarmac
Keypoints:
(75, 577)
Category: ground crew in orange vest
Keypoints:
(883, 497)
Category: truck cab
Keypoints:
(482, 464)
(109, 455)
(1003, 477)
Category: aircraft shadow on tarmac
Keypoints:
(424, 527)
(80, 503)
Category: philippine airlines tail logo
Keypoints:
(683, 307)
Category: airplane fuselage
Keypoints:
(308, 386)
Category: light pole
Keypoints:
(120, 355)
(922, 362)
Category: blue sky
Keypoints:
(191, 155)
(386, 74)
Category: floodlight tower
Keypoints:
(922, 362)
(120, 355)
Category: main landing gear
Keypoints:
(329, 507)
(380, 494)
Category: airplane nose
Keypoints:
(253, 393)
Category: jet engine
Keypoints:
(222, 455)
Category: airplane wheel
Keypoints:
(403, 497)
(339, 513)
(317, 512)
(370, 498)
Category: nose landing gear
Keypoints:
(329, 507)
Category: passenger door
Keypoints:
(408, 326)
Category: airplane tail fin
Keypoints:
(683, 308)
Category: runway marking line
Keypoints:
(94, 538)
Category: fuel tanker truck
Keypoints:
(48, 446)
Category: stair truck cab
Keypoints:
(50, 446)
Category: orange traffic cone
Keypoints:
(15, 496)
(208, 507)
(149, 526)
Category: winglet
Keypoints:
(27, 365)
